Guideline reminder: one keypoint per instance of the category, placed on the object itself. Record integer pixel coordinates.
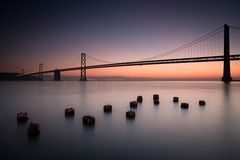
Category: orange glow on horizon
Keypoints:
(187, 70)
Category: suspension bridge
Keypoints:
(222, 44)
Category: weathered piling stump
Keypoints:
(184, 105)
(33, 129)
(133, 104)
(175, 99)
(139, 99)
(22, 117)
(107, 108)
(202, 103)
(88, 120)
(156, 99)
(69, 112)
(130, 114)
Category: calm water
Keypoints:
(158, 132)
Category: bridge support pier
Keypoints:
(226, 64)
(83, 67)
(57, 75)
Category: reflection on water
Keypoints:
(108, 116)
(163, 131)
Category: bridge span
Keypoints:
(226, 57)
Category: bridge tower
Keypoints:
(57, 75)
(226, 64)
(83, 67)
(40, 72)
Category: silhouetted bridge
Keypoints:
(189, 53)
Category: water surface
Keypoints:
(163, 131)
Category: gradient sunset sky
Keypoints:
(55, 32)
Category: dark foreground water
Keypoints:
(158, 132)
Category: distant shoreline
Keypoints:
(13, 77)
(48, 80)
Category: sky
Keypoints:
(55, 32)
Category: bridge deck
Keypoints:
(151, 62)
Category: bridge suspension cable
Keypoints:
(73, 62)
(235, 27)
(235, 40)
(188, 45)
(98, 60)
